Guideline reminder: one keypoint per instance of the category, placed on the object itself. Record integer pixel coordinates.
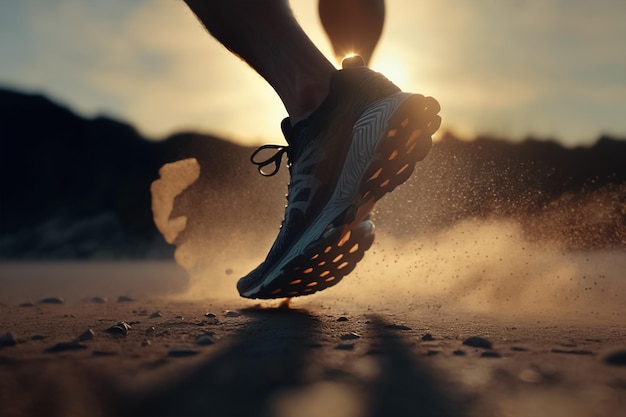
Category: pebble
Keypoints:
(124, 299)
(458, 352)
(345, 346)
(432, 352)
(211, 318)
(529, 375)
(350, 336)
(145, 342)
(398, 327)
(478, 342)
(428, 337)
(27, 304)
(150, 330)
(617, 358)
(120, 328)
(519, 349)
(86, 335)
(181, 352)
(104, 353)
(572, 351)
(52, 300)
(204, 340)
(490, 354)
(7, 339)
(156, 314)
(342, 318)
(232, 313)
(99, 300)
(65, 347)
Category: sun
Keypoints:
(393, 68)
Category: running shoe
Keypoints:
(361, 143)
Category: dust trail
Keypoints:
(489, 267)
(479, 264)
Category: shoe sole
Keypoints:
(323, 265)
(406, 140)
(392, 135)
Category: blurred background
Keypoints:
(96, 96)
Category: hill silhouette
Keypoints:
(77, 188)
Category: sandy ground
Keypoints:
(328, 355)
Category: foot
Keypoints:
(361, 143)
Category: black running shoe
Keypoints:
(361, 143)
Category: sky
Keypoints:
(551, 69)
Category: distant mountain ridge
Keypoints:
(72, 187)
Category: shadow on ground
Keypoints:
(277, 367)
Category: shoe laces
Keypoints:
(275, 159)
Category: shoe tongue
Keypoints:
(288, 132)
(296, 141)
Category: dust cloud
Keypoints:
(490, 265)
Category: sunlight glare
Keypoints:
(393, 69)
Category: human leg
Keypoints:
(265, 34)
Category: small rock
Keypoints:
(99, 300)
(345, 346)
(179, 317)
(124, 299)
(52, 300)
(120, 328)
(397, 327)
(145, 342)
(210, 315)
(519, 349)
(181, 352)
(66, 347)
(232, 313)
(458, 352)
(204, 340)
(572, 351)
(432, 352)
(350, 336)
(530, 375)
(7, 339)
(156, 314)
(86, 335)
(617, 358)
(342, 318)
(27, 304)
(150, 330)
(104, 353)
(37, 337)
(477, 342)
(428, 337)
(490, 354)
